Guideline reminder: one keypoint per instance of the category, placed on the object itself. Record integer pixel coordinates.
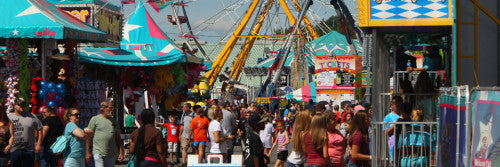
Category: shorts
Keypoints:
(282, 155)
(172, 147)
(196, 143)
(185, 143)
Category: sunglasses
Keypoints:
(77, 114)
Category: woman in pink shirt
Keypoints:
(336, 142)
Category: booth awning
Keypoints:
(123, 57)
(40, 19)
(304, 94)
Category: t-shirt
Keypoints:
(253, 147)
(337, 144)
(4, 136)
(152, 136)
(172, 132)
(364, 148)
(266, 135)
(129, 121)
(24, 127)
(314, 156)
(186, 122)
(76, 147)
(55, 130)
(227, 122)
(391, 117)
(215, 126)
(199, 126)
(104, 135)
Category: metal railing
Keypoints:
(414, 144)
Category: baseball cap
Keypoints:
(20, 102)
(358, 108)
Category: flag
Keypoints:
(160, 4)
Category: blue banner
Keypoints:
(448, 131)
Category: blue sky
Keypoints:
(201, 10)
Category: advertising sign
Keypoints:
(110, 23)
(373, 13)
(326, 80)
(486, 122)
(346, 63)
(82, 13)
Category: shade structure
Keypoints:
(124, 57)
(304, 94)
(332, 43)
(41, 19)
(141, 30)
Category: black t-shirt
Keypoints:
(55, 130)
(253, 147)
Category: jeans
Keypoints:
(48, 158)
(145, 163)
(74, 162)
(4, 159)
(289, 164)
(22, 158)
(102, 161)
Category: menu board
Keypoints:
(326, 80)
(346, 79)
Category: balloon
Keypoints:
(43, 84)
(52, 90)
(51, 85)
(51, 96)
(60, 112)
(60, 88)
(52, 104)
(42, 94)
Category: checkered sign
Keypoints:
(409, 9)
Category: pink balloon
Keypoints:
(60, 113)
(41, 109)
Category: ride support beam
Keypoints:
(242, 57)
(226, 51)
(289, 14)
(308, 24)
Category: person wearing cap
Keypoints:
(25, 125)
(186, 140)
(329, 106)
(252, 143)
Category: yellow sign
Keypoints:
(262, 100)
(383, 13)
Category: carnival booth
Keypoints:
(336, 65)
(148, 71)
(34, 70)
(304, 94)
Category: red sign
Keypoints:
(82, 13)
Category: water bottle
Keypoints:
(408, 64)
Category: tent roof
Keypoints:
(332, 43)
(141, 29)
(40, 19)
(125, 57)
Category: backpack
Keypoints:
(59, 145)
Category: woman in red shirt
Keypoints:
(315, 143)
(358, 140)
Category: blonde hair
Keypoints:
(300, 127)
(68, 112)
(211, 112)
(417, 115)
(318, 131)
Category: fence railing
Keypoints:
(411, 144)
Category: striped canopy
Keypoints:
(304, 94)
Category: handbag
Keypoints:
(131, 162)
(59, 145)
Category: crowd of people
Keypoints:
(260, 132)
